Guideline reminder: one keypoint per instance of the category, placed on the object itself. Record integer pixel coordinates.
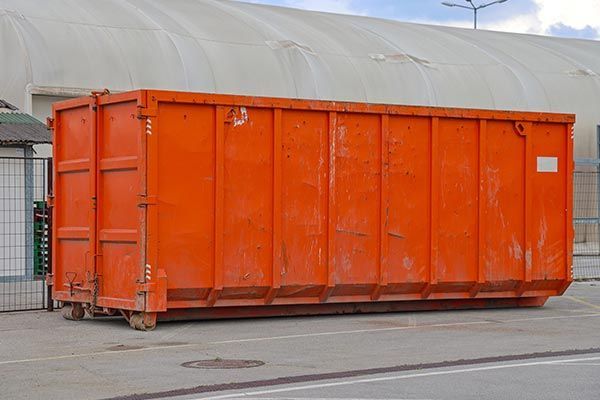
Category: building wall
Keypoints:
(42, 109)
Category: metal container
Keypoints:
(189, 205)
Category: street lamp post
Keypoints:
(473, 7)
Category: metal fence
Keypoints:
(586, 215)
(24, 233)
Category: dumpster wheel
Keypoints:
(142, 321)
(73, 311)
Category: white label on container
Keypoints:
(547, 164)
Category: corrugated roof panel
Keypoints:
(18, 118)
(20, 128)
(24, 134)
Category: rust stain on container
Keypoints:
(291, 204)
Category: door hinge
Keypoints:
(146, 200)
(145, 287)
(145, 112)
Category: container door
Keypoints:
(74, 212)
(121, 213)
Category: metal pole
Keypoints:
(28, 193)
(473, 7)
(50, 190)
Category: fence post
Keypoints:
(50, 189)
(28, 188)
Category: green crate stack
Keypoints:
(40, 238)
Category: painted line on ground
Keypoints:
(354, 331)
(343, 376)
(329, 398)
(305, 335)
(98, 353)
(581, 301)
(397, 377)
(402, 328)
(178, 331)
(581, 364)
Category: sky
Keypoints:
(567, 18)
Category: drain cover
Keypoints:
(219, 363)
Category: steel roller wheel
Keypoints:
(73, 311)
(142, 321)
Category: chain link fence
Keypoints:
(24, 233)
(586, 215)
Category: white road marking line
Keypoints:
(581, 301)
(395, 377)
(99, 353)
(177, 331)
(327, 398)
(400, 328)
(548, 318)
(584, 364)
(575, 360)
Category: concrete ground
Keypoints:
(551, 352)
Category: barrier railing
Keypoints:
(24, 233)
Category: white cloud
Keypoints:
(525, 23)
(577, 14)
(580, 14)
(548, 14)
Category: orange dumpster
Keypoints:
(171, 205)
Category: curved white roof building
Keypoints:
(55, 48)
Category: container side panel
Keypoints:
(248, 199)
(503, 181)
(72, 144)
(409, 187)
(230, 201)
(304, 194)
(357, 180)
(549, 208)
(74, 201)
(458, 207)
(186, 202)
(118, 195)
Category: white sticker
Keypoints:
(547, 164)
